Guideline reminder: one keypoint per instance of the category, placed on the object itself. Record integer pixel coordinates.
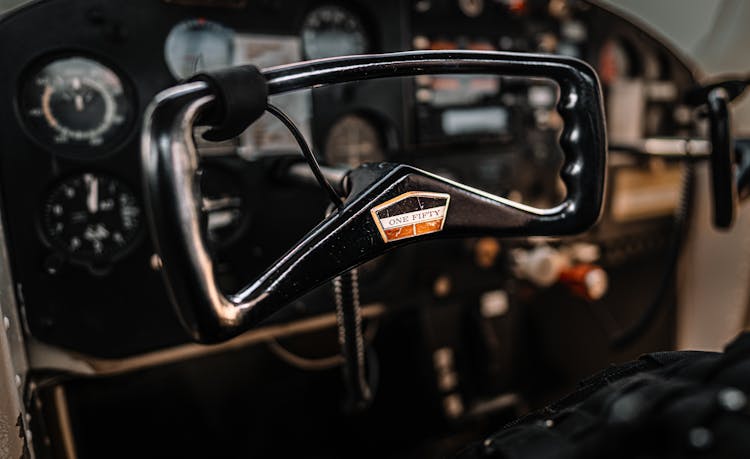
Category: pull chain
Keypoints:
(349, 321)
(346, 293)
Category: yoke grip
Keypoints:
(241, 98)
(355, 233)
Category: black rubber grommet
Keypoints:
(241, 98)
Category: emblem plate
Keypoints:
(411, 214)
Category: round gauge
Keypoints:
(198, 45)
(331, 30)
(76, 107)
(352, 141)
(92, 218)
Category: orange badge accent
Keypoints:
(415, 213)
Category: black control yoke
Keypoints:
(388, 205)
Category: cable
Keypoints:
(319, 363)
(682, 217)
(307, 153)
(304, 363)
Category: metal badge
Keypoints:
(415, 213)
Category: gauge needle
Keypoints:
(79, 102)
(197, 64)
(92, 198)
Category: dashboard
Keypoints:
(73, 94)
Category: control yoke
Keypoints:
(387, 206)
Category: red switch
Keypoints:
(586, 280)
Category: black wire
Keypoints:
(682, 217)
(308, 154)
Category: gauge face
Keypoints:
(352, 141)
(76, 107)
(92, 218)
(330, 31)
(198, 45)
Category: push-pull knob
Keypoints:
(587, 281)
(541, 265)
(572, 266)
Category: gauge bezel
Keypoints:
(125, 132)
(186, 21)
(354, 9)
(95, 265)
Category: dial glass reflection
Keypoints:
(198, 45)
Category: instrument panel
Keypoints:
(73, 99)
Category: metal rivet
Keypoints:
(732, 399)
(549, 423)
(700, 437)
(6, 322)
